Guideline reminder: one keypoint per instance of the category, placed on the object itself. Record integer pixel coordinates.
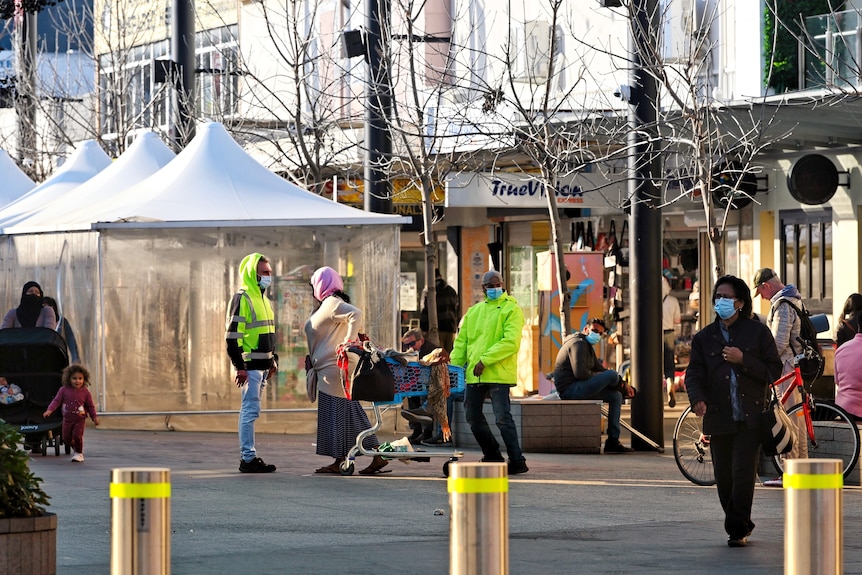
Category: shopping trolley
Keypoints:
(411, 380)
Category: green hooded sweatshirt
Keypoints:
(250, 331)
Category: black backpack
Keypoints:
(810, 368)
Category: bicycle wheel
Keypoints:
(691, 449)
(835, 435)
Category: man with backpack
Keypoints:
(786, 325)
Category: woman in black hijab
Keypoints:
(30, 312)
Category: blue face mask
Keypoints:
(724, 308)
(494, 293)
(593, 338)
(265, 282)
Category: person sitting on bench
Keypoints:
(578, 374)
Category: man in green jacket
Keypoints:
(250, 338)
(487, 346)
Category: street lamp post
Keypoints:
(183, 59)
(378, 142)
(646, 230)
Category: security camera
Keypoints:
(624, 93)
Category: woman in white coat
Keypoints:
(339, 420)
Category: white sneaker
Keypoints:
(78, 457)
(778, 482)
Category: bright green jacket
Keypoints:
(491, 333)
(250, 332)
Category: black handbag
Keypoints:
(370, 379)
(776, 428)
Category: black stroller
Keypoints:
(34, 359)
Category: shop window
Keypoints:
(806, 246)
(521, 283)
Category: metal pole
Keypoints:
(646, 229)
(183, 55)
(378, 142)
(812, 510)
(141, 521)
(479, 519)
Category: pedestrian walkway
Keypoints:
(592, 514)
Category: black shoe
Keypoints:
(516, 467)
(422, 412)
(422, 437)
(256, 465)
(437, 441)
(614, 446)
(740, 542)
(493, 459)
(418, 415)
(671, 398)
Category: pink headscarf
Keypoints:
(324, 282)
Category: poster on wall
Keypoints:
(408, 291)
(474, 242)
(586, 285)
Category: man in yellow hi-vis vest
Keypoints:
(250, 336)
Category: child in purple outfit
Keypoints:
(77, 404)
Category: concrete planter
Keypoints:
(28, 546)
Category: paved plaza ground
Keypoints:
(590, 514)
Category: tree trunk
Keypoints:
(430, 261)
(25, 97)
(715, 237)
(558, 251)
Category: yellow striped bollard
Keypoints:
(479, 519)
(812, 510)
(141, 521)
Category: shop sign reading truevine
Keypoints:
(520, 190)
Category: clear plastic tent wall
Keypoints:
(148, 305)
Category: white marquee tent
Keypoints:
(15, 182)
(145, 275)
(147, 155)
(87, 161)
(215, 180)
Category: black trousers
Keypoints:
(734, 459)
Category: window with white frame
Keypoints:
(132, 99)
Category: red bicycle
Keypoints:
(831, 431)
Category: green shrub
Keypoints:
(21, 492)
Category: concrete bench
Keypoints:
(544, 426)
(838, 447)
(839, 437)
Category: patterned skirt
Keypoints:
(339, 421)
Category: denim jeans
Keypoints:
(473, 399)
(600, 386)
(249, 411)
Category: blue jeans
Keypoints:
(602, 385)
(474, 397)
(249, 411)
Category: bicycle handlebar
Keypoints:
(808, 352)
